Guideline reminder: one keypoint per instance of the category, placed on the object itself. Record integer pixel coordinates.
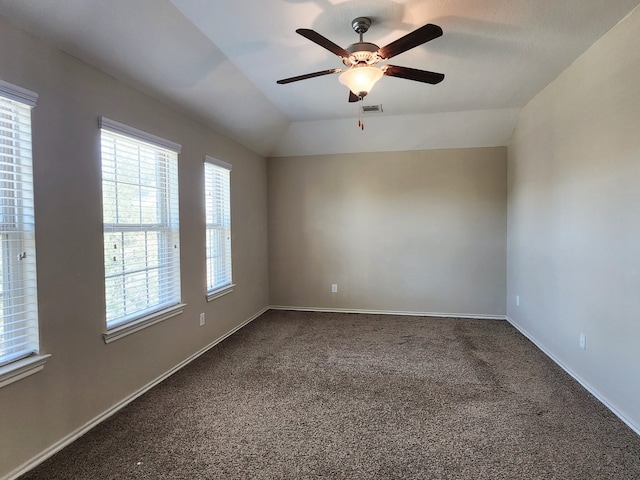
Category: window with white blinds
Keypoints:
(140, 216)
(18, 303)
(217, 176)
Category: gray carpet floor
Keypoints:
(343, 396)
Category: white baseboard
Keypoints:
(56, 447)
(388, 312)
(601, 398)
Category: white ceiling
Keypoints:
(219, 60)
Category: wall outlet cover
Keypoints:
(583, 341)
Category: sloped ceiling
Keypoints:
(219, 60)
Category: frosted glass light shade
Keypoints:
(360, 80)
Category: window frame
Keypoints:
(214, 290)
(167, 226)
(31, 360)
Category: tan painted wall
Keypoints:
(84, 377)
(417, 231)
(574, 218)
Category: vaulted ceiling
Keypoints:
(219, 60)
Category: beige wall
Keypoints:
(574, 218)
(417, 231)
(84, 377)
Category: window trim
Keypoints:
(125, 329)
(122, 129)
(218, 163)
(18, 94)
(23, 368)
(220, 292)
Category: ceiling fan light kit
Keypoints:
(362, 57)
(360, 79)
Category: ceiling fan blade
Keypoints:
(410, 40)
(309, 75)
(413, 74)
(315, 37)
(353, 97)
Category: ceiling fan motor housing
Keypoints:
(362, 53)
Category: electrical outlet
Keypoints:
(334, 288)
(517, 300)
(583, 341)
(201, 319)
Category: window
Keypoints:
(19, 343)
(218, 219)
(141, 235)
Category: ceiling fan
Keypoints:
(361, 59)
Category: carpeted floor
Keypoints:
(343, 396)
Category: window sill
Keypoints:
(21, 369)
(121, 331)
(220, 292)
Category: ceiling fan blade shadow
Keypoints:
(308, 75)
(414, 74)
(422, 35)
(315, 37)
(353, 97)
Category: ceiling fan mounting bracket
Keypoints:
(360, 25)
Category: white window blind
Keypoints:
(18, 303)
(141, 225)
(217, 176)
